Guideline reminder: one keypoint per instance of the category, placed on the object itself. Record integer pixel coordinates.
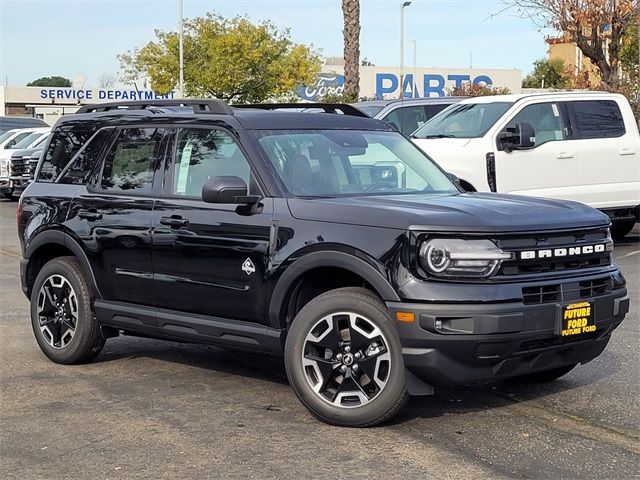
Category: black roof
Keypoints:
(186, 112)
(280, 120)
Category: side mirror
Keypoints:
(522, 137)
(227, 189)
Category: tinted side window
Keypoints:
(130, 163)
(596, 119)
(79, 168)
(546, 120)
(65, 143)
(407, 119)
(202, 154)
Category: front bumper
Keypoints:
(450, 344)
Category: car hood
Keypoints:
(464, 212)
(6, 153)
(442, 148)
(25, 152)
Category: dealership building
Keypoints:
(49, 103)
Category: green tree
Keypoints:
(629, 50)
(551, 71)
(596, 27)
(50, 82)
(351, 34)
(231, 59)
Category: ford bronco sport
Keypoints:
(329, 239)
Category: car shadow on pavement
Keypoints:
(218, 359)
(446, 400)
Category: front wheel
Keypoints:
(344, 359)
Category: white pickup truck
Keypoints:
(581, 146)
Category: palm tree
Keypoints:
(351, 32)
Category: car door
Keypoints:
(548, 169)
(112, 216)
(209, 259)
(607, 154)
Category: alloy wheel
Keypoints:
(346, 359)
(57, 311)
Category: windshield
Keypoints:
(370, 110)
(463, 120)
(330, 163)
(6, 135)
(28, 140)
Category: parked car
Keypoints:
(13, 123)
(406, 115)
(328, 239)
(29, 138)
(575, 146)
(21, 171)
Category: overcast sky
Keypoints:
(74, 37)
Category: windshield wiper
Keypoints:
(440, 135)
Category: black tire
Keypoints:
(544, 376)
(367, 308)
(87, 339)
(8, 195)
(621, 228)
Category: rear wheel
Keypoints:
(344, 359)
(61, 316)
(544, 376)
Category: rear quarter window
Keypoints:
(79, 168)
(65, 142)
(596, 119)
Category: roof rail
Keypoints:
(343, 108)
(214, 106)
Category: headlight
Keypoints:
(454, 257)
(4, 168)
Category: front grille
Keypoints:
(594, 288)
(19, 166)
(542, 294)
(567, 291)
(553, 241)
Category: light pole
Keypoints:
(415, 67)
(403, 5)
(181, 47)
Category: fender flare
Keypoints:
(59, 237)
(327, 259)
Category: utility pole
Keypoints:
(181, 43)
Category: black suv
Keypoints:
(327, 238)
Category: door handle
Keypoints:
(174, 221)
(627, 151)
(92, 214)
(564, 155)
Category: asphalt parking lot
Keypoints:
(156, 409)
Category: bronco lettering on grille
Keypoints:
(563, 252)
